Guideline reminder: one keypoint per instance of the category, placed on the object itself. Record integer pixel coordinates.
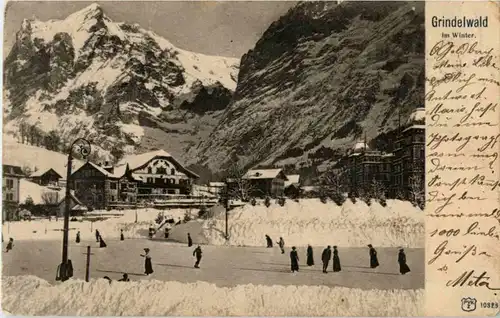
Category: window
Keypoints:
(10, 184)
(10, 196)
(149, 180)
(172, 171)
(172, 181)
(131, 185)
(112, 185)
(99, 198)
(161, 170)
(150, 170)
(113, 198)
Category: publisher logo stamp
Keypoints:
(469, 304)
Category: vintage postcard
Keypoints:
(251, 158)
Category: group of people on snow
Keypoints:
(326, 256)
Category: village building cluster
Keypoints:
(157, 179)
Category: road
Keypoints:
(224, 266)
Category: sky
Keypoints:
(209, 27)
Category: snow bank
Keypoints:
(312, 222)
(156, 298)
(109, 228)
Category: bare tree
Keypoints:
(377, 191)
(239, 187)
(50, 198)
(331, 187)
(417, 192)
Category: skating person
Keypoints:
(148, 266)
(373, 257)
(124, 278)
(281, 244)
(310, 257)
(325, 258)
(97, 236)
(197, 252)
(269, 241)
(101, 242)
(122, 237)
(10, 245)
(403, 267)
(166, 232)
(336, 260)
(190, 241)
(294, 260)
(77, 240)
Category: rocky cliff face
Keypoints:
(320, 78)
(117, 84)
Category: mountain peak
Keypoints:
(93, 11)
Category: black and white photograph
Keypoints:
(186, 158)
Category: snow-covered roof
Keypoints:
(292, 179)
(40, 173)
(262, 174)
(137, 161)
(105, 172)
(417, 115)
(36, 192)
(216, 184)
(360, 146)
(415, 127)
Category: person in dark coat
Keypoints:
(148, 266)
(167, 232)
(403, 267)
(325, 258)
(197, 252)
(122, 237)
(336, 260)
(310, 258)
(269, 241)
(373, 257)
(294, 259)
(151, 232)
(190, 241)
(281, 244)
(97, 235)
(124, 278)
(10, 245)
(101, 242)
(77, 240)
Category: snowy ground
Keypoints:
(109, 228)
(224, 266)
(156, 298)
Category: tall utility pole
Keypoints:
(65, 270)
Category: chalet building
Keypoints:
(266, 182)
(158, 175)
(10, 190)
(401, 172)
(100, 188)
(48, 177)
(292, 186)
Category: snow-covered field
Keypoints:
(311, 222)
(299, 223)
(157, 298)
(109, 228)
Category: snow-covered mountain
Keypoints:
(119, 85)
(320, 78)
